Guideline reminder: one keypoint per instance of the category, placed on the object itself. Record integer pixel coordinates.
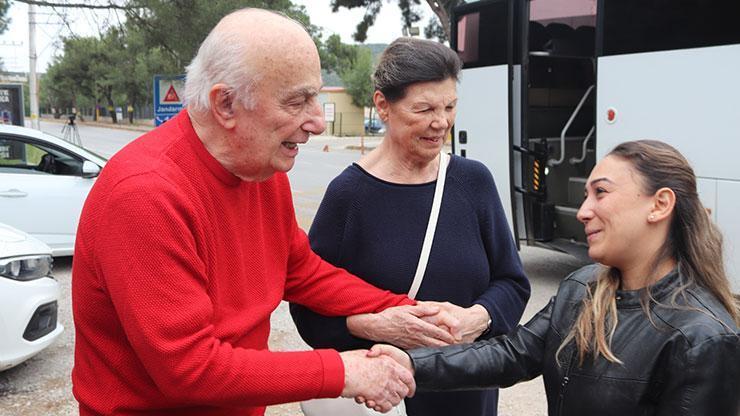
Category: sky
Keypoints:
(14, 42)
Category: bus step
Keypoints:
(567, 225)
(574, 248)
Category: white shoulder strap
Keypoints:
(431, 226)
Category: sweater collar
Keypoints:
(213, 165)
(659, 291)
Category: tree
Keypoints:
(179, 27)
(357, 78)
(409, 12)
(4, 19)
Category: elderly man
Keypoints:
(188, 242)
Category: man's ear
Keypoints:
(664, 201)
(221, 98)
(382, 105)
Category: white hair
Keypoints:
(221, 58)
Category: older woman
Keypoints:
(373, 219)
(654, 331)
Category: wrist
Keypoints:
(483, 318)
(359, 325)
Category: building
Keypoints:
(348, 119)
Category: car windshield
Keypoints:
(83, 149)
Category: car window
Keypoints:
(20, 156)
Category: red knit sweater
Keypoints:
(177, 268)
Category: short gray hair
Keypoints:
(408, 60)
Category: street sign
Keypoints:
(329, 112)
(11, 104)
(167, 97)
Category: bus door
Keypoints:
(482, 37)
(558, 132)
(668, 70)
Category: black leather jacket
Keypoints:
(687, 362)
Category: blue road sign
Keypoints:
(167, 97)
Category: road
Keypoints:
(42, 386)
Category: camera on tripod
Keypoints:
(71, 117)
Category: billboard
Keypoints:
(11, 104)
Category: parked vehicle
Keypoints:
(549, 87)
(374, 126)
(28, 297)
(44, 181)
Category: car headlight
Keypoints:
(26, 268)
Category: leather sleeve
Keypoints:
(498, 362)
(703, 380)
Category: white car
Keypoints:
(44, 181)
(28, 297)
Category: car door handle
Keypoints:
(13, 193)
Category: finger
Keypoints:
(375, 351)
(445, 320)
(370, 404)
(360, 399)
(424, 309)
(429, 330)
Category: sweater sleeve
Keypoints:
(150, 266)
(327, 230)
(509, 289)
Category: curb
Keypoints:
(134, 127)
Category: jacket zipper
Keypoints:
(564, 383)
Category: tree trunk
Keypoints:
(442, 15)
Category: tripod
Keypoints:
(70, 132)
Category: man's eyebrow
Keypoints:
(301, 92)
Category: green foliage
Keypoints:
(357, 78)
(4, 19)
(116, 68)
(440, 28)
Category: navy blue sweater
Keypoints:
(375, 229)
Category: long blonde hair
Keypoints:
(693, 241)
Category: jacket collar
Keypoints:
(659, 291)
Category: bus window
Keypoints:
(634, 26)
(481, 35)
(573, 13)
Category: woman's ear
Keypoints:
(221, 98)
(381, 105)
(664, 201)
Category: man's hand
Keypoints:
(396, 354)
(474, 320)
(379, 381)
(423, 325)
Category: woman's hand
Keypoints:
(474, 321)
(422, 325)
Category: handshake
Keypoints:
(383, 376)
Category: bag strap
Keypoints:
(426, 248)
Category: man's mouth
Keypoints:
(291, 145)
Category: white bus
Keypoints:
(550, 86)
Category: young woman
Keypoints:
(653, 330)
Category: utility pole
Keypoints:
(33, 93)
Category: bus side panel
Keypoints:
(483, 118)
(728, 206)
(687, 98)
